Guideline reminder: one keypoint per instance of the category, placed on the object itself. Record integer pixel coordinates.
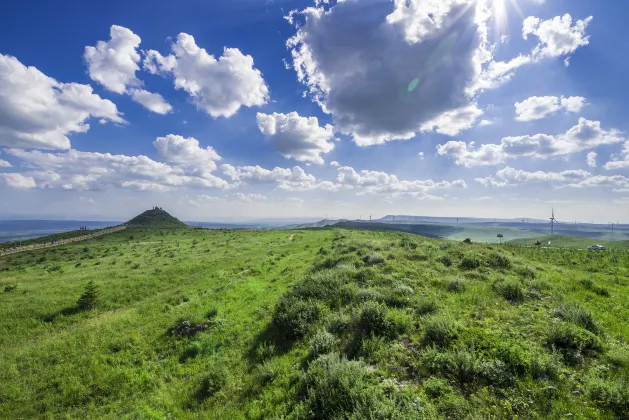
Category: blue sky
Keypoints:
(241, 109)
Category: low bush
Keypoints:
(373, 321)
(611, 394)
(322, 343)
(369, 294)
(455, 285)
(265, 351)
(445, 260)
(373, 258)
(510, 290)
(293, 316)
(571, 340)
(440, 330)
(497, 260)
(578, 315)
(427, 305)
(335, 388)
(470, 262)
(437, 388)
(213, 382)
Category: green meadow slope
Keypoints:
(156, 218)
(316, 324)
(564, 241)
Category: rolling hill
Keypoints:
(156, 218)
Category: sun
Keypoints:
(501, 10)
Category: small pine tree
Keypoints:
(88, 299)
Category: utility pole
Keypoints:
(370, 218)
(457, 222)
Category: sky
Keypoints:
(239, 109)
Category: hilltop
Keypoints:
(323, 323)
(156, 218)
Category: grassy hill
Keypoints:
(156, 218)
(564, 241)
(316, 324)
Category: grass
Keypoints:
(331, 324)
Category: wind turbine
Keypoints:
(552, 223)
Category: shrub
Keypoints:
(467, 241)
(470, 262)
(265, 351)
(498, 260)
(569, 339)
(427, 305)
(578, 315)
(293, 316)
(323, 285)
(445, 260)
(453, 407)
(338, 323)
(373, 321)
(455, 285)
(322, 343)
(437, 388)
(612, 394)
(369, 294)
(440, 330)
(89, 298)
(373, 258)
(526, 272)
(266, 372)
(510, 290)
(213, 382)
(462, 365)
(335, 388)
(514, 357)
(10, 288)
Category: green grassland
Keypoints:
(565, 241)
(49, 238)
(313, 324)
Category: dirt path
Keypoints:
(15, 250)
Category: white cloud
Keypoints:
(152, 101)
(591, 159)
(74, 170)
(86, 200)
(186, 152)
(249, 197)
(17, 180)
(380, 182)
(585, 135)
(557, 36)
(486, 123)
(395, 72)
(466, 155)
(509, 176)
(113, 64)
(219, 87)
(36, 111)
(617, 163)
(335, 164)
(4, 164)
(453, 122)
(295, 179)
(300, 138)
(538, 107)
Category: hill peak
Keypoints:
(156, 217)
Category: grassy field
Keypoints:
(315, 324)
(564, 241)
(49, 238)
